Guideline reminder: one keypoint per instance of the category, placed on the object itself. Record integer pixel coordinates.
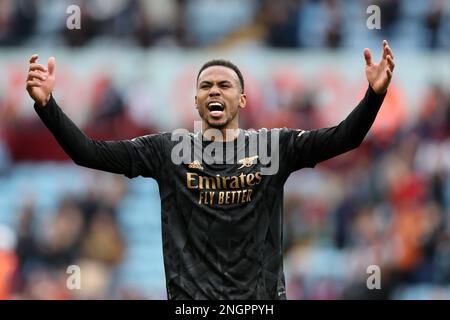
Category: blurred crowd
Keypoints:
(386, 204)
(82, 231)
(208, 23)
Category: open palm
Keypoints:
(379, 75)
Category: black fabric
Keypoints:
(222, 222)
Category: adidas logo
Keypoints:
(195, 165)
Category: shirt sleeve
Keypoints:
(302, 148)
(140, 156)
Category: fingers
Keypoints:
(391, 63)
(387, 50)
(51, 65)
(368, 57)
(389, 56)
(37, 66)
(34, 65)
(389, 74)
(34, 58)
(33, 83)
(37, 74)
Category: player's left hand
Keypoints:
(379, 75)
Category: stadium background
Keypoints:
(130, 70)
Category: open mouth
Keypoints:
(216, 108)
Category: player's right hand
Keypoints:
(40, 80)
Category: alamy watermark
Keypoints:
(73, 282)
(262, 146)
(73, 21)
(374, 280)
(374, 20)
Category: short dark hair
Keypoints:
(223, 63)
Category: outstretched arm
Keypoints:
(319, 145)
(127, 157)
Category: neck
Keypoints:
(228, 133)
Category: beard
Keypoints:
(220, 124)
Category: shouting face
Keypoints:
(219, 97)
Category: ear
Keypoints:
(243, 101)
(196, 106)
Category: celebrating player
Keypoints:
(222, 215)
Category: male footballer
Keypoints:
(222, 208)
